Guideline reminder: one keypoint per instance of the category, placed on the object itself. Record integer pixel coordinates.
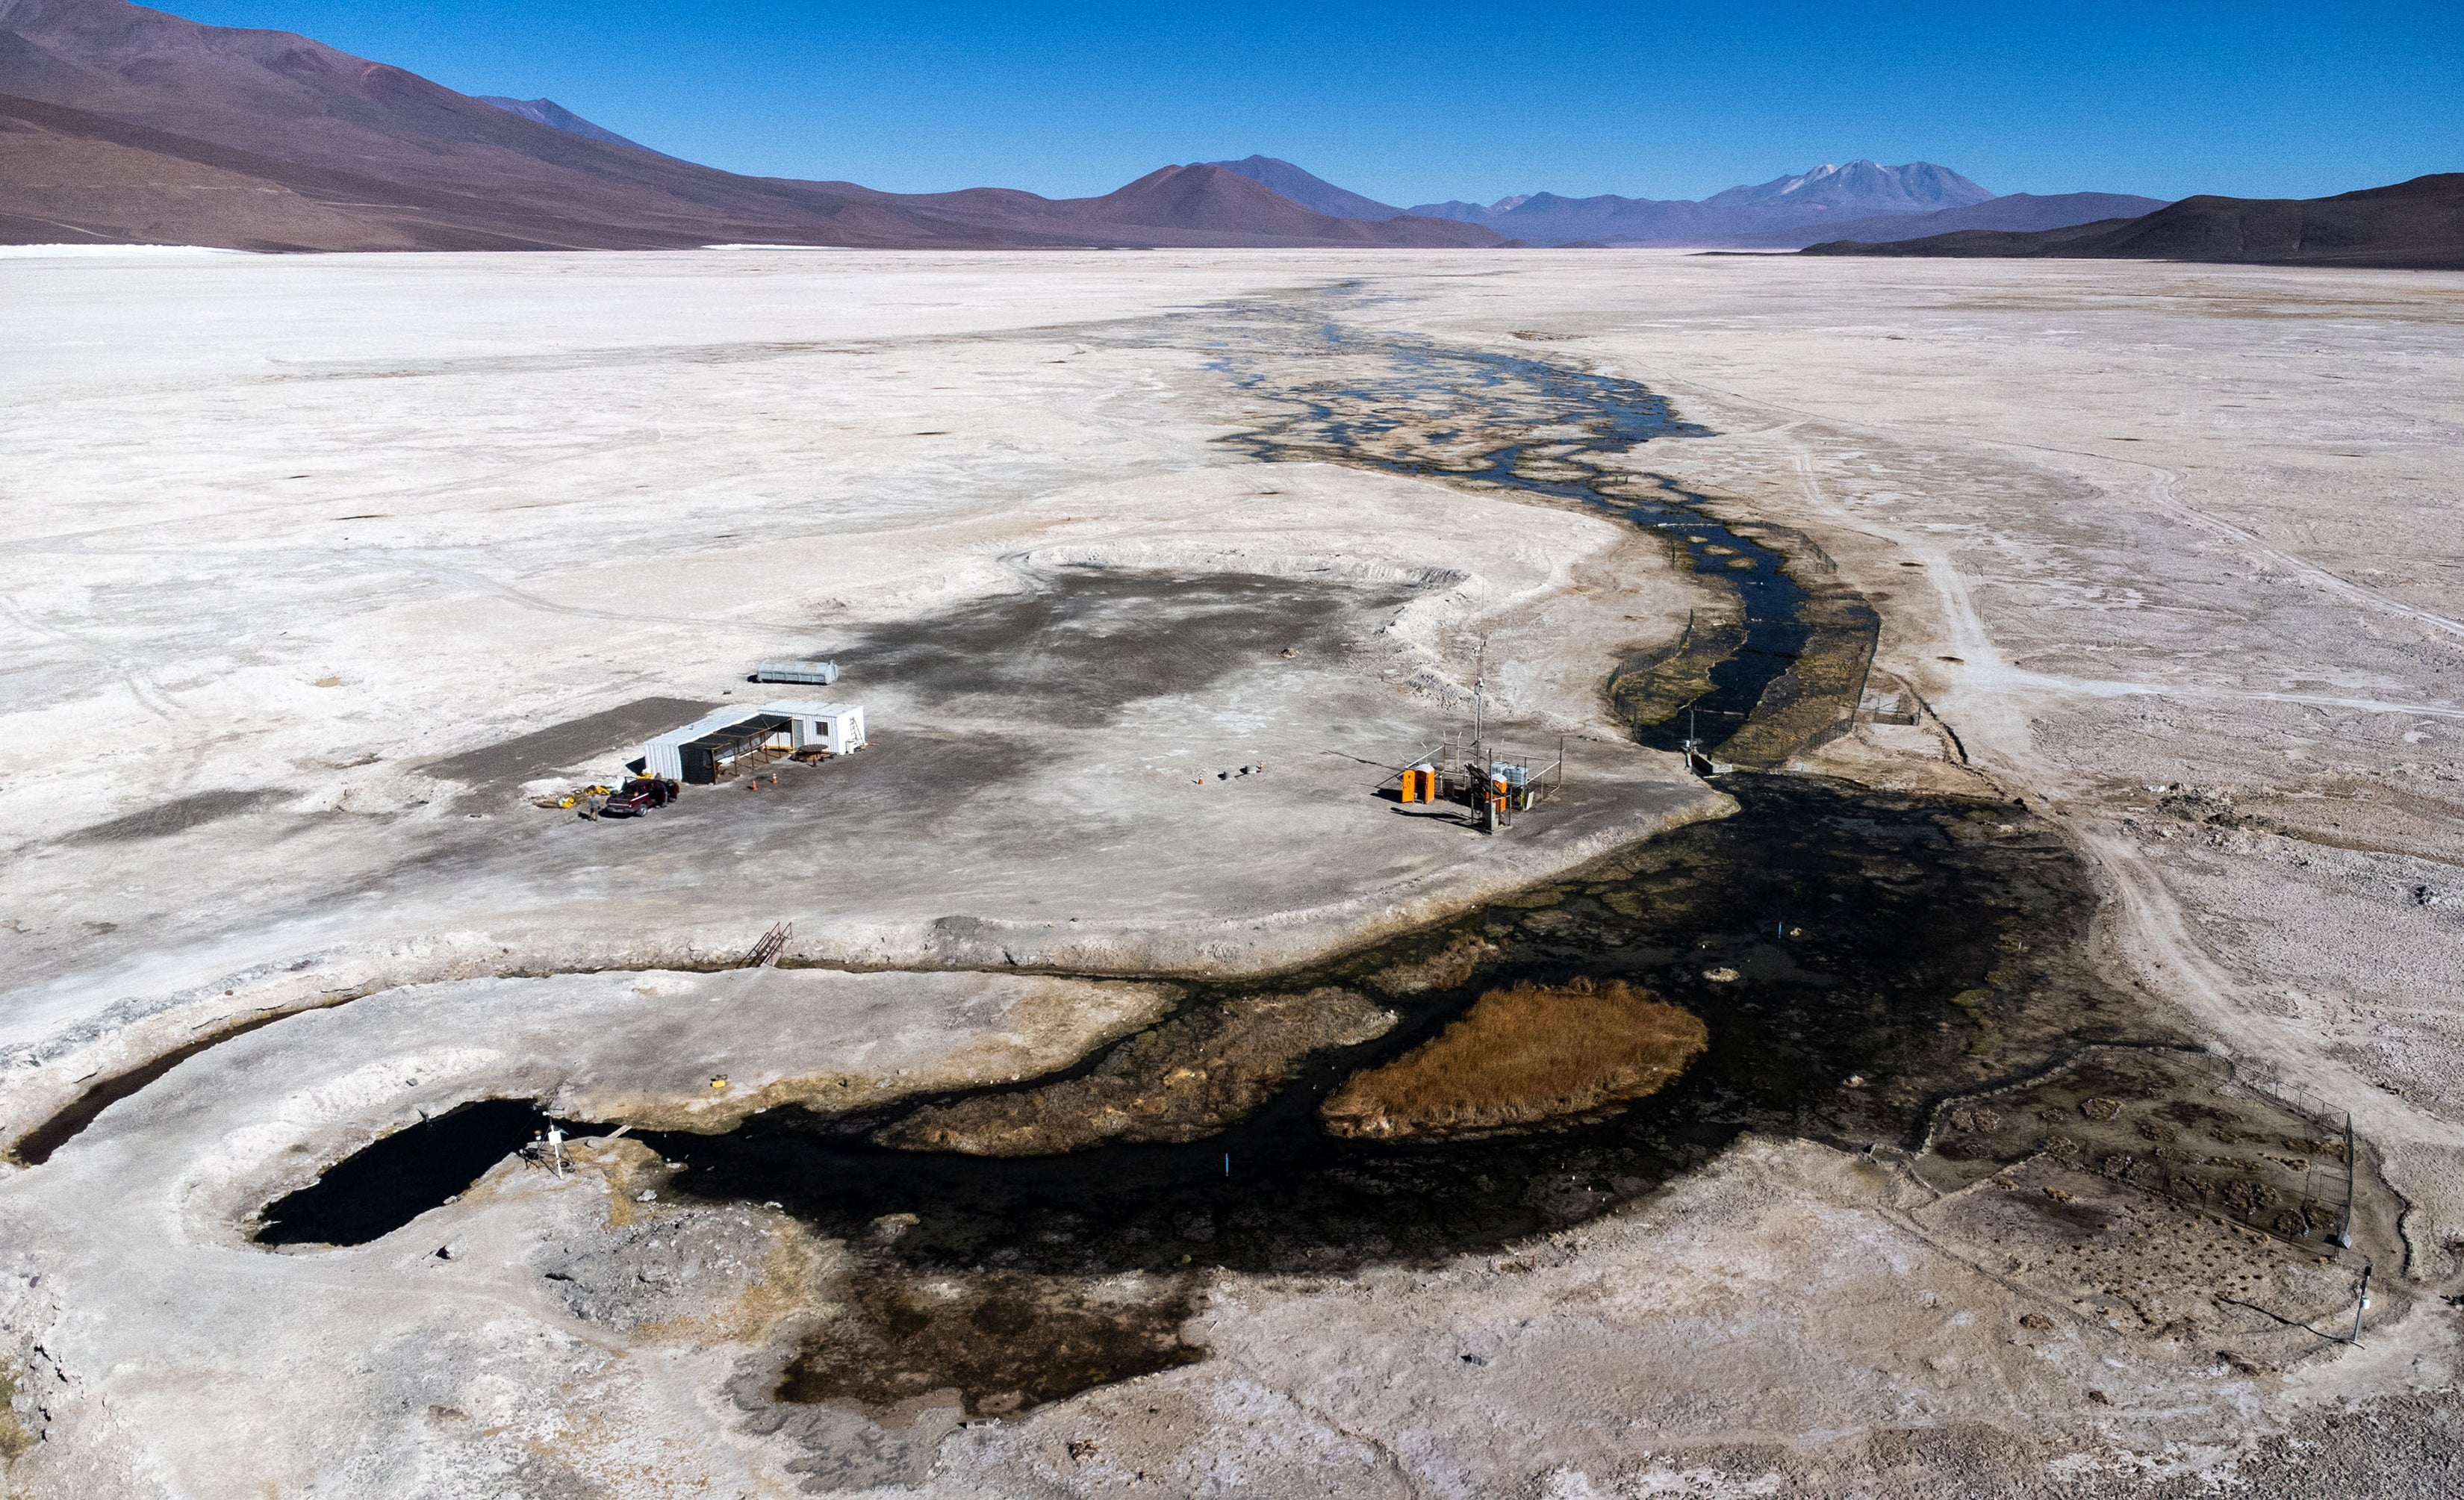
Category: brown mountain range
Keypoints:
(2416, 226)
(120, 123)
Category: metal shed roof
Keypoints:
(717, 719)
(756, 726)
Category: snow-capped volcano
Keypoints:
(1834, 192)
(1861, 187)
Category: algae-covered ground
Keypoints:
(1525, 1056)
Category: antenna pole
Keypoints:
(1478, 687)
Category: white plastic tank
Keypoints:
(819, 673)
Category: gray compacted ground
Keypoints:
(305, 612)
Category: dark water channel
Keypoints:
(1857, 956)
(1850, 919)
(1916, 944)
(1886, 950)
(1476, 416)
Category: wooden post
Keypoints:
(1857, 705)
(2345, 1233)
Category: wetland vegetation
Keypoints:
(1529, 1055)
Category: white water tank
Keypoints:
(819, 673)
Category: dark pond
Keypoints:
(410, 1172)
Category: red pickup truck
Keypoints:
(639, 796)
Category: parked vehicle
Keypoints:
(640, 795)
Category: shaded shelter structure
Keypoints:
(708, 748)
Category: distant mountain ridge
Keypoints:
(120, 123)
(1832, 192)
(2414, 226)
(2016, 212)
(126, 125)
(1895, 203)
(1201, 204)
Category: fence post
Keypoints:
(1857, 704)
(2345, 1233)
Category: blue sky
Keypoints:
(1416, 103)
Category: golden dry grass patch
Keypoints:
(1531, 1055)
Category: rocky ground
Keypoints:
(322, 563)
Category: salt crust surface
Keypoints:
(2178, 527)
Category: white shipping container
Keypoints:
(835, 727)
